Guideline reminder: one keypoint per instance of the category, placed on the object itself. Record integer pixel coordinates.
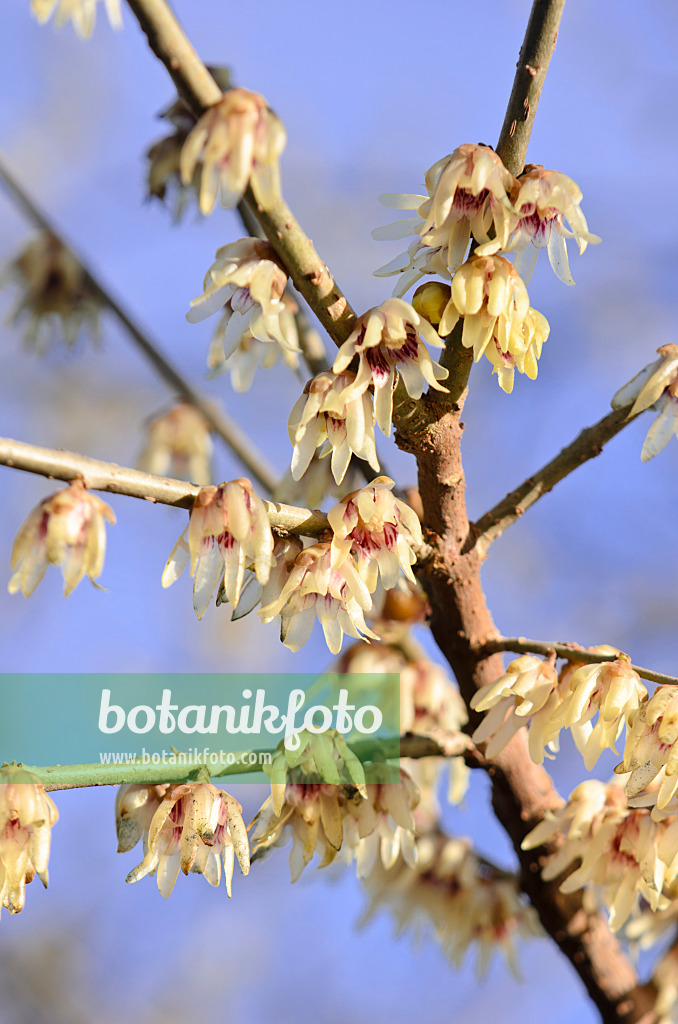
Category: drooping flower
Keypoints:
(27, 814)
(66, 529)
(228, 532)
(135, 806)
(652, 745)
(194, 828)
(655, 387)
(239, 141)
(386, 339)
(498, 320)
(57, 300)
(467, 901)
(621, 850)
(379, 529)
(179, 445)
(285, 551)
(338, 597)
(467, 194)
(612, 690)
(251, 351)
(81, 12)
(247, 282)
(333, 416)
(545, 202)
(526, 695)
(367, 824)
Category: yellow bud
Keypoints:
(430, 300)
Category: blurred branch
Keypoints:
(113, 479)
(229, 431)
(305, 267)
(569, 651)
(585, 446)
(533, 62)
(79, 776)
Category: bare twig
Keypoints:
(113, 479)
(229, 431)
(533, 63)
(585, 446)
(571, 652)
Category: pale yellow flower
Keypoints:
(612, 691)
(652, 745)
(338, 597)
(498, 322)
(335, 417)
(194, 828)
(655, 387)
(179, 445)
(547, 204)
(228, 532)
(81, 12)
(380, 530)
(525, 696)
(388, 340)
(239, 141)
(467, 194)
(246, 282)
(57, 300)
(27, 814)
(252, 352)
(66, 529)
(366, 824)
(466, 901)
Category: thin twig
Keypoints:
(308, 272)
(80, 776)
(533, 63)
(585, 446)
(569, 651)
(229, 431)
(113, 479)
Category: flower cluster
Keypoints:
(228, 532)
(467, 901)
(471, 194)
(27, 814)
(187, 827)
(365, 824)
(619, 849)
(498, 322)
(179, 445)
(81, 12)
(246, 282)
(239, 141)
(655, 387)
(386, 339)
(66, 529)
(331, 415)
(531, 693)
(57, 298)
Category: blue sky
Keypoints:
(371, 94)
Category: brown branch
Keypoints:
(533, 63)
(585, 446)
(460, 619)
(226, 428)
(571, 652)
(113, 479)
